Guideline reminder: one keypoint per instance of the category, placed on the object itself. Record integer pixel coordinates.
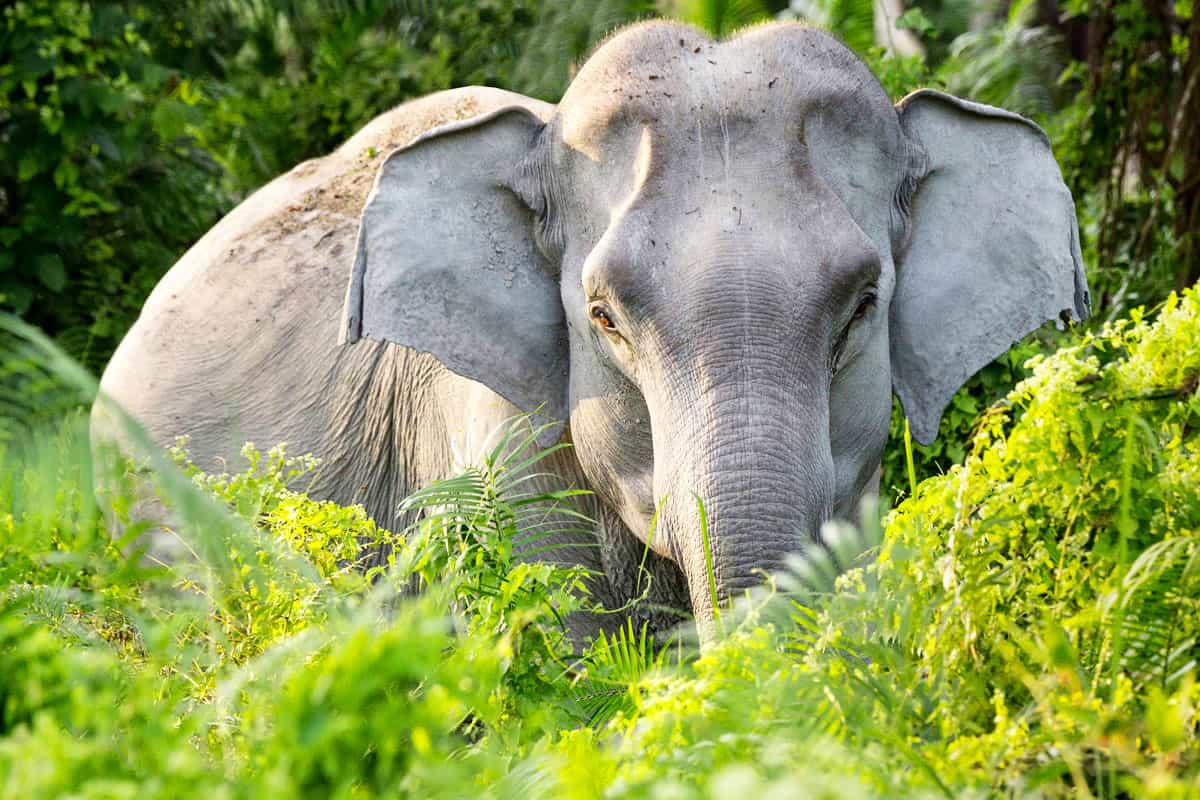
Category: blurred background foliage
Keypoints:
(128, 128)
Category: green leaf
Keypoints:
(18, 296)
(914, 19)
(27, 167)
(51, 272)
(721, 17)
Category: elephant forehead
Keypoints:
(672, 77)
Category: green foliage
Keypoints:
(914, 20)
(1066, 541)
(986, 388)
(250, 613)
(1127, 147)
(1014, 65)
(852, 21)
(1025, 626)
(101, 185)
(614, 664)
(720, 18)
(944, 22)
(1060, 519)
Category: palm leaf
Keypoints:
(720, 18)
(852, 21)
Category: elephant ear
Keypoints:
(446, 263)
(992, 249)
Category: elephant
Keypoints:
(707, 268)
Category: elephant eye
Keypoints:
(864, 306)
(602, 318)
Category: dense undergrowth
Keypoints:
(1026, 625)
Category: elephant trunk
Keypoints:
(759, 461)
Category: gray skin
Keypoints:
(713, 261)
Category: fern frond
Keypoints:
(615, 664)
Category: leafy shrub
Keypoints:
(1065, 517)
(1067, 540)
(101, 186)
(262, 654)
(286, 579)
(987, 387)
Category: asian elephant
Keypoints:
(713, 261)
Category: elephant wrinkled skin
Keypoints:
(714, 261)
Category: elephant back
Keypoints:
(239, 341)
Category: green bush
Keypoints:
(102, 185)
(1049, 583)
(984, 389)
(1080, 519)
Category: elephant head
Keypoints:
(717, 261)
